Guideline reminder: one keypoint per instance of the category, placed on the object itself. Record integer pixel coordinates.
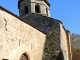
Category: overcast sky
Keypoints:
(67, 11)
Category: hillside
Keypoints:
(75, 54)
(75, 41)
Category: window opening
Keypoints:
(23, 57)
(26, 9)
(47, 11)
(37, 9)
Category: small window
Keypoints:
(37, 9)
(26, 9)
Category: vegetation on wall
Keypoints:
(52, 47)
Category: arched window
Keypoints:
(26, 9)
(37, 8)
(24, 57)
(47, 11)
(60, 56)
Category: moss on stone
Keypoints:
(52, 46)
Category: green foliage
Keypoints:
(51, 45)
(48, 36)
(55, 55)
(55, 32)
(75, 41)
(78, 49)
(46, 48)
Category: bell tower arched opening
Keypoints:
(46, 11)
(37, 8)
(26, 9)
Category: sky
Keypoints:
(67, 11)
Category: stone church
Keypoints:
(34, 35)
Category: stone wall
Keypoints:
(52, 45)
(18, 37)
(55, 32)
(37, 36)
(65, 43)
(45, 24)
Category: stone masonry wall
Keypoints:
(55, 33)
(52, 45)
(43, 23)
(65, 43)
(18, 37)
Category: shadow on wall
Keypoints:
(60, 56)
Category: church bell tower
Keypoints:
(33, 6)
